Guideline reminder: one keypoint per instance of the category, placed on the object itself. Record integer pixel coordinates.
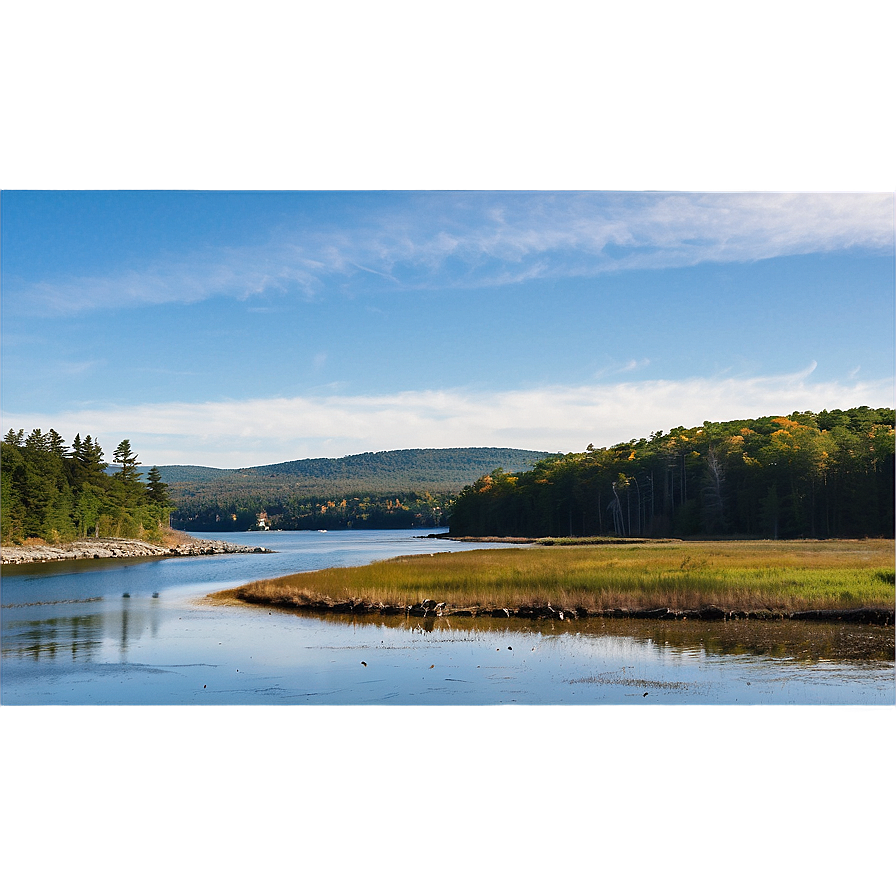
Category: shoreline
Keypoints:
(431, 608)
(550, 540)
(179, 545)
(835, 581)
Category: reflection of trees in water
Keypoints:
(154, 615)
(137, 614)
(43, 639)
(81, 637)
(801, 641)
(123, 646)
(135, 621)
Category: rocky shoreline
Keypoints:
(103, 548)
(865, 615)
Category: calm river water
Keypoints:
(138, 632)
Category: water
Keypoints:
(135, 632)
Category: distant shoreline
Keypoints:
(175, 545)
(549, 540)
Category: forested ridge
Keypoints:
(58, 492)
(818, 475)
(813, 475)
(386, 489)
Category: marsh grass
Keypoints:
(775, 576)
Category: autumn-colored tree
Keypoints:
(806, 474)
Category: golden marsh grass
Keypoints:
(745, 576)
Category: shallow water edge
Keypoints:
(432, 608)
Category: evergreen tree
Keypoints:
(157, 491)
(12, 510)
(126, 461)
(129, 490)
(51, 493)
(91, 462)
(36, 441)
(56, 445)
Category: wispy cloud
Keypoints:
(482, 239)
(615, 369)
(243, 433)
(76, 368)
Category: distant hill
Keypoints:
(434, 469)
(209, 497)
(182, 473)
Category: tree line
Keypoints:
(58, 492)
(816, 475)
(410, 488)
(331, 511)
(386, 474)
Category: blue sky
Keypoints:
(292, 310)
(235, 328)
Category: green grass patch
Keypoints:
(776, 576)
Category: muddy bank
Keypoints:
(548, 540)
(318, 604)
(103, 548)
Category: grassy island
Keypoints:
(763, 579)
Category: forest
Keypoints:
(330, 510)
(807, 475)
(375, 490)
(828, 474)
(58, 492)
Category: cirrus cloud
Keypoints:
(487, 239)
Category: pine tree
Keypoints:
(56, 444)
(130, 490)
(90, 458)
(36, 441)
(156, 490)
(124, 458)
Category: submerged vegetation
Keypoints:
(748, 577)
(808, 475)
